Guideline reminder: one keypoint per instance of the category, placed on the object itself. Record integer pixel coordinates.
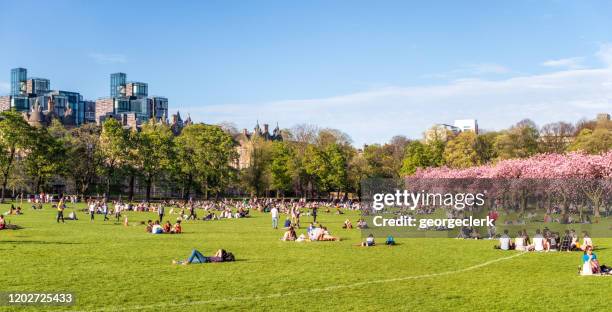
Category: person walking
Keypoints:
(314, 214)
(92, 210)
(105, 210)
(60, 211)
(117, 211)
(160, 212)
(274, 214)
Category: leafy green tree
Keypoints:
(329, 166)
(281, 167)
(460, 152)
(15, 135)
(45, 158)
(419, 155)
(379, 161)
(212, 155)
(593, 141)
(153, 152)
(83, 156)
(114, 149)
(485, 146)
(520, 141)
(358, 170)
(256, 177)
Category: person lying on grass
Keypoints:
(324, 235)
(197, 257)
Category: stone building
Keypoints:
(37, 117)
(246, 140)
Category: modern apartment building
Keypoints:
(32, 93)
(130, 103)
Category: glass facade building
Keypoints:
(138, 89)
(20, 103)
(38, 85)
(117, 84)
(19, 77)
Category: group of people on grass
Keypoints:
(313, 233)
(156, 227)
(545, 241)
(361, 224)
(370, 241)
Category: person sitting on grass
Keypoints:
(167, 227)
(197, 257)
(505, 241)
(361, 224)
(586, 241)
(177, 229)
(566, 242)
(347, 224)
(539, 242)
(475, 234)
(289, 235)
(590, 264)
(369, 242)
(390, 241)
(575, 244)
(519, 242)
(149, 227)
(72, 216)
(157, 228)
(310, 228)
(2, 222)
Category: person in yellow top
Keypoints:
(60, 210)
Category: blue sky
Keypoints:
(372, 69)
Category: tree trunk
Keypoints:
(131, 187)
(6, 173)
(148, 181)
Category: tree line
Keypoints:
(201, 160)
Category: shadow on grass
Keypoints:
(36, 242)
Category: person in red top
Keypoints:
(177, 229)
(167, 227)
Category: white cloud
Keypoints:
(605, 54)
(5, 87)
(487, 68)
(477, 69)
(376, 115)
(570, 63)
(103, 58)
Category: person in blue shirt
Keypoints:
(590, 258)
(390, 241)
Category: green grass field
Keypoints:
(113, 268)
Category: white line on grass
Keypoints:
(278, 295)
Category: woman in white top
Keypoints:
(586, 241)
(519, 242)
